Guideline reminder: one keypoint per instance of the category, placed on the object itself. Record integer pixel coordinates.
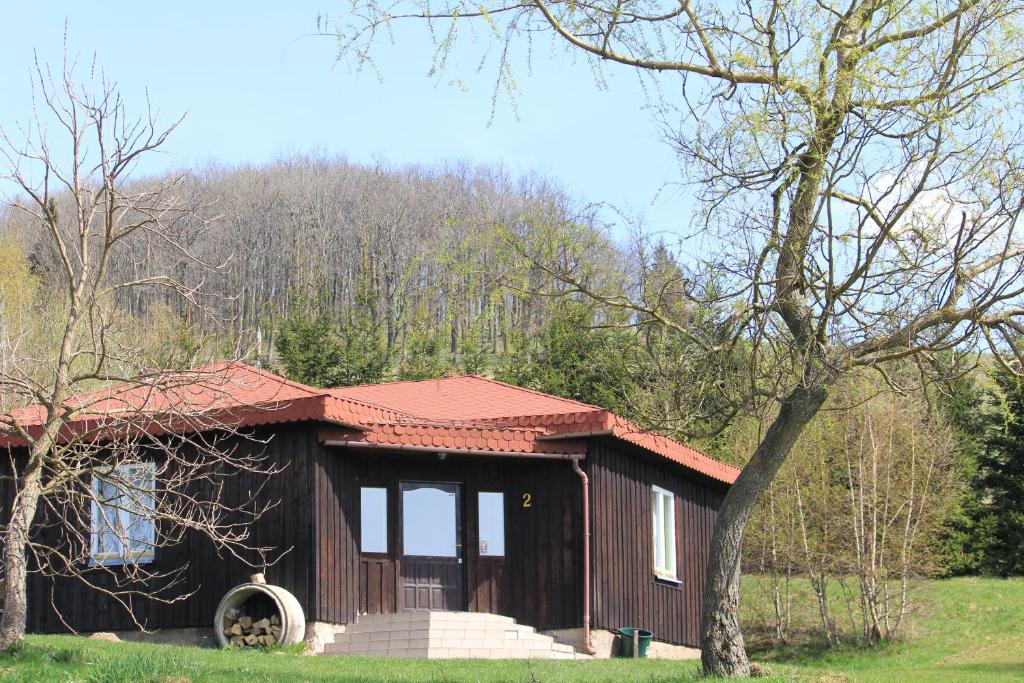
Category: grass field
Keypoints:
(965, 630)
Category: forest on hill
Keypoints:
(343, 274)
(418, 245)
(335, 274)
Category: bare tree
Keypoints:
(106, 476)
(871, 494)
(424, 237)
(900, 480)
(859, 166)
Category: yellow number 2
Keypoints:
(527, 500)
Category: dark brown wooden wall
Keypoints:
(539, 580)
(335, 504)
(287, 526)
(625, 591)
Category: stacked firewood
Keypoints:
(244, 631)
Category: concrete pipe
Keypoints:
(293, 621)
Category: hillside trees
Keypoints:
(858, 167)
(313, 349)
(19, 289)
(308, 346)
(968, 410)
(1001, 479)
(571, 356)
(420, 242)
(326, 309)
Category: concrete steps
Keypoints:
(446, 635)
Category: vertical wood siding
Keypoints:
(625, 592)
(287, 526)
(539, 579)
(538, 582)
(335, 505)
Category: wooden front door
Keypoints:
(431, 574)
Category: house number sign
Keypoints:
(527, 500)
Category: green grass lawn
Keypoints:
(63, 658)
(964, 630)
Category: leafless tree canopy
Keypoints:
(429, 241)
(84, 471)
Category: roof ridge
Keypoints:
(535, 392)
(367, 404)
(315, 391)
(483, 378)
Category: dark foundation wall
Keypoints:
(625, 591)
(538, 582)
(287, 526)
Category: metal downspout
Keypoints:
(588, 647)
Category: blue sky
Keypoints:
(256, 85)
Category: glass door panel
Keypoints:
(430, 520)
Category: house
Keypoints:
(460, 494)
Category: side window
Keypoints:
(492, 523)
(373, 516)
(122, 529)
(663, 518)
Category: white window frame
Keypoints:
(663, 523)
(120, 513)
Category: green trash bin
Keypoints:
(626, 641)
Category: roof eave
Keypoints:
(342, 443)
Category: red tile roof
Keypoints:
(484, 401)
(461, 398)
(228, 394)
(457, 413)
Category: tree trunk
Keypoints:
(23, 512)
(722, 649)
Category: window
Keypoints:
(430, 514)
(492, 524)
(123, 530)
(373, 504)
(663, 513)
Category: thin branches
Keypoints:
(102, 480)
